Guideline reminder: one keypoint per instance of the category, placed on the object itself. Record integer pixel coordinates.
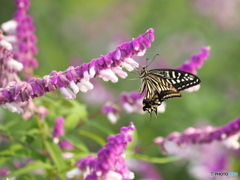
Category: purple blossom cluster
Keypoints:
(106, 67)
(109, 163)
(227, 134)
(21, 33)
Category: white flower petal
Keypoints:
(111, 175)
(13, 107)
(13, 64)
(161, 108)
(9, 26)
(86, 76)
(82, 87)
(92, 72)
(67, 93)
(232, 142)
(127, 66)
(128, 108)
(194, 88)
(130, 61)
(74, 172)
(11, 39)
(6, 44)
(74, 87)
(118, 70)
(108, 74)
(112, 117)
(141, 53)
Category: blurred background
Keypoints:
(73, 32)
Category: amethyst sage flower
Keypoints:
(227, 134)
(109, 163)
(78, 78)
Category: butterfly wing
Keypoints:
(179, 79)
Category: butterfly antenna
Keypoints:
(151, 60)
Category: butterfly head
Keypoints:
(144, 71)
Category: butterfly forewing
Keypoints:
(179, 79)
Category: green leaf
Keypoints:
(75, 114)
(78, 143)
(56, 154)
(31, 167)
(101, 127)
(3, 127)
(95, 137)
(158, 160)
(31, 154)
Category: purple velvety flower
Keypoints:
(77, 78)
(227, 134)
(109, 163)
(58, 129)
(25, 33)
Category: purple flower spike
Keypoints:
(196, 61)
(58, 128)
(109, 163)
(78, 78)
(227, 134)
(25, 33)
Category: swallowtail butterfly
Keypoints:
(162, 84)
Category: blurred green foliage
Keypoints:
(84, 30)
